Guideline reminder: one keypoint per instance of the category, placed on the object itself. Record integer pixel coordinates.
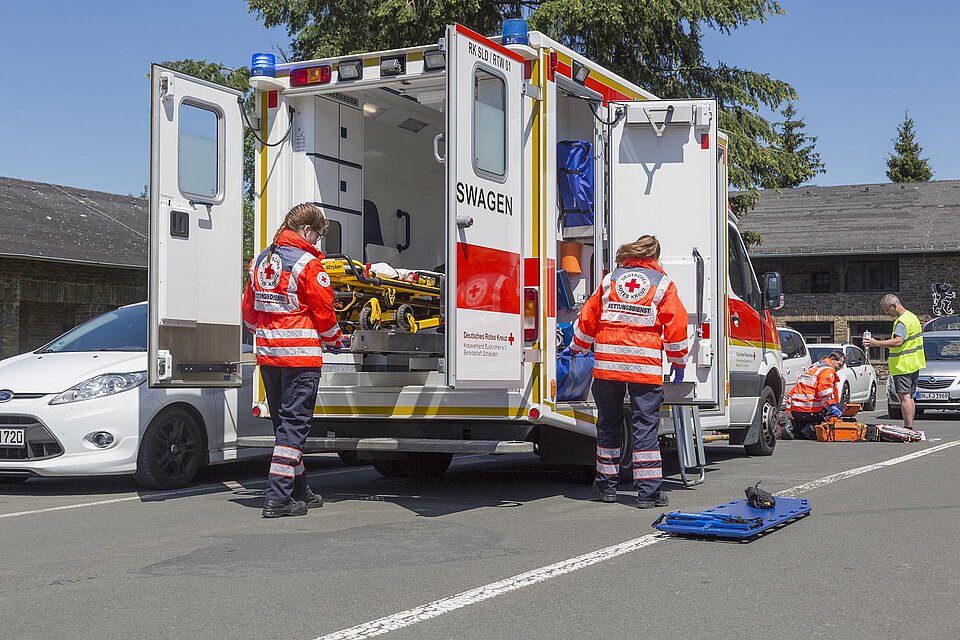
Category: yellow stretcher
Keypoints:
(367, 301)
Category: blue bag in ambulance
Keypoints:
(575, 164)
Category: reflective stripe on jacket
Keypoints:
(909, 356)
(631, 319)
(815, 390)
(288, 303)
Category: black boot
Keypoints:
(282, 508)
(302, 492)
(658, 499)
(604, 492)
(312, 500)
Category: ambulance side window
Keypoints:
(742, 279)
(734, 268)
(198, 151)
(489, 125)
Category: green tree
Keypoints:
(655, 43)
(905, 164)
(803, 162)
(235, 79)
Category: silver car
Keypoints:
(939, 383)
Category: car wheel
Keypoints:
(351, 459)
(845, 395)
(171, 451)
(769, 418)
(871, 403)
(895, 413)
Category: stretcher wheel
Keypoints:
(366, 319)
(406, 321)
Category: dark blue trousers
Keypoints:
(645, 400)
(291, 396)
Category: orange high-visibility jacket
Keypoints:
(288, 303)
(815, 390)
(631, 319)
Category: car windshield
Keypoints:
(941, 347)
(818, 353)
(943, 323)
(123, 329)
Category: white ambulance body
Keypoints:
(445, 159)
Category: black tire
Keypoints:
(171, 451)
(13, 480)
(871, 403)
(845, 395)
(406, 321)
(351, 459)
(414, 465)
(769, 416)
(895, 413)
(364, 320)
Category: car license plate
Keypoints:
(12, 438)
(930, 395)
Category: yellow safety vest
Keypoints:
(908, 357)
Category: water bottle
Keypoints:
(866, 334)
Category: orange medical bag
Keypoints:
(844, 428)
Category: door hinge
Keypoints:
(532, 92)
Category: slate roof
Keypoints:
(860, 219)
(48, 221)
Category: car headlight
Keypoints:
(99, 386)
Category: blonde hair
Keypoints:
(305, 213)
(644, 247)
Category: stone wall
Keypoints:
(39, 299)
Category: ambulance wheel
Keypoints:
(171, 451)
(365, 319)
(767, 439)
(406, 321)
(871, 403)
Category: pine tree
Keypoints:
(905, 164)
(804, 162)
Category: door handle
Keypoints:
(436, 149)
(735, 318)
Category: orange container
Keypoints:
(570, 257)
(841, 431)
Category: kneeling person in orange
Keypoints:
(631, 319)
(815, 397)
(288, 303)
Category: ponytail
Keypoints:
(305, 213)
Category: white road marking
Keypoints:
(494, 589)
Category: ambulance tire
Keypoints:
(414, 465)
(767, 439)
(871, 403)
(171, 451)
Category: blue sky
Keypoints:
(75, 103)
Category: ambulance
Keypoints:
(448, 159)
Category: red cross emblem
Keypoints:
(268, 270)
(511, 338)
(633, 285)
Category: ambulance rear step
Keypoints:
(314, 445)
(397, 342)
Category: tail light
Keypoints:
(256, 412)
(531, 314)
(310, 75)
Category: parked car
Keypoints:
(80, 406)
(858, 379)
(938, 386)
(943, 323)
(796, 357)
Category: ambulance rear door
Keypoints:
(196, 225)
(484, 208)
(663, 181)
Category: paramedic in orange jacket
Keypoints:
(632, 318)
(815, 396)
(288, 303)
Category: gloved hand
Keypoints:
(835, 411)
(568, 352)
(676, 373)
(335, 348)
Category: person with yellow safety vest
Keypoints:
(815, 397)
(288, 303)
(633, 317)
(906, 357)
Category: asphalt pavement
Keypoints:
(499, 547)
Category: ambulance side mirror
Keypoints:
(772, 291)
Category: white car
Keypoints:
(796, 357)
(80, 406)
(858, 379)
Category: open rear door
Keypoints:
(663, 169)
(196, 226)
(484, 209)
